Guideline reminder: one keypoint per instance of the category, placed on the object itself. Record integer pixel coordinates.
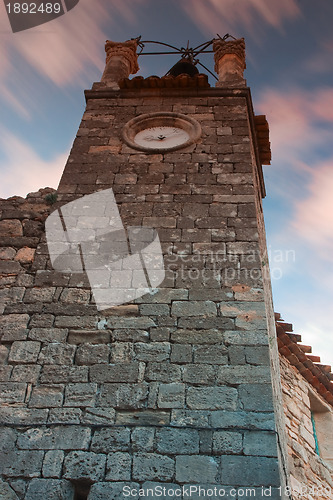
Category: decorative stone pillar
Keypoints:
(121, 61)
(230, 62)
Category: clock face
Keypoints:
(161, 137)
(161, 132)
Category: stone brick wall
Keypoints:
(311, 476)
(175, 388)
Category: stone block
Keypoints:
(92, 354)
(88, 337)
(249, 471)
(244, 374)
(152, 466)
(80, 394)
(257, 355)
(65, 416)
(84, 466)
(177, 441)
(10, 267)
(108, 440)
(22, 463)
(12, 392)
(98, 416)
(154, 309)
(140, 322)
(75, 295)
(263, 444)
(142, 439)
(46, 396)
(146, 417)
(38, 294)
(237, 337)
(57, 354)
(118, 467)
(164, 491)
(213, 354)
(3, 354)
(24, 352)
(5, 372)
(192, 336)
(25, 255)
(199, 374)
(190, 418)
(7, 253)
(163, 372)
(256, 397)
(157, 351)
(55, 438)
(52, 463)
(52, 374)
(171, 395)
(48, 334)
(117, 372)
(196, 469)
(124, 396)
(6, 492)
(14, 326)
(17, 415)
(193, 308)
(52, 489)
(181, 353)
(128, 335)
(242, 420)
(11, 227)
(114, 491)
(227, 443)
(212, 398)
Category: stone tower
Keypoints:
(179, 386)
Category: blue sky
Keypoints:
(43, 72)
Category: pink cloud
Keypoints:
(25, 171)
(313, 219)
(228, 15)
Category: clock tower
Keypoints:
(162, 367)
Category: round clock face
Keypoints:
(161, 132)
(161, 137)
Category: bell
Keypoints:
(183, 66)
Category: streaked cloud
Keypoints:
(230, 16)
(25, 171)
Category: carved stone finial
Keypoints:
(230, 62)
(121, 61)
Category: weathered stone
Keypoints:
(196, 469)
(227, 443)
(177, 441)
(137, 323)
(80, 394)
(55, 438)
(142, 439)
(151, 466)
(24, 352)
(88, 337)
(6, 492)
(52, 463)
(98, 416)
(256, 397)
(181, 354)
(242, 420)
(108, 440)
(163, 372)
(210, 336)
(260, 443)
(213, 354)
(25, 416)
(249, 471)
(199, 374)
(25, 373)
(25, 255)
(57, 354)
(82, 465)
(92, 354)
(65, 416)
(5, 372)
(46, 396)
(245, 374)
(17, 462)
(39, 294)
(193, 308)
(146, 417)
(12, 392)
(157, 351)
(122, 352)
(191, 418)
(124, 396)
(171, 395)
(52, 489)
(199, 398)
(7, 253)
(54, 374)
(11, 227)
(114, 491)
(118, 466)
(13, 327)
(117, 372)
(48, 334)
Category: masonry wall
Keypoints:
(174, 389)
(311, 475)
